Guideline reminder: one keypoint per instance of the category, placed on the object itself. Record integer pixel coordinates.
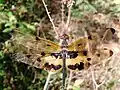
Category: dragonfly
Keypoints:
(55, 57)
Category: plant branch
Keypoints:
(62, 15)
(47, 81)
(70, 4)
(51, 20)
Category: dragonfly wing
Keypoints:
(52, 64)
(33, 51)
(83, 60)
(30, 45)
(78, 45)
(102, 54)
(78, 63)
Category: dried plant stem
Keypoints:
(34, 76)
(47, 81)
(104, 37)
(96, 86)
(88, 44)
(62, 10)
(69, 13)
(51, 20)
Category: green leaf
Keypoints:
(8, 88)
(9, 14)
(76, 88)
(110, 84)
(7, 30)
(29, 26)
(1, 1)
(2, 73)
(7, 24)
(78, 2)
(1, 55)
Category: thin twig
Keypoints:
(88, 43)
(93, 79)
(69, 13)
(96, 86)
(51, 20)
(62, 10)
(47, 81)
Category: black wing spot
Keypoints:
(85, 52)
(88, 59)
(49, 67)
(105, 49)
(72, 54)
(72, 67)
(79, 44)
(48, 45)
(52, 65)
(98, 55)
(111, 52)
(56, 55)
(28, 56)
(46, 64)
(88, 64)
(42, 53)
(102, 36)
(81, 66)
(57, 67)
(38, 59)
(112, 30)
(89, 37)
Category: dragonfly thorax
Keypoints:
(67, 54)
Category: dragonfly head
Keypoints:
(64, 37)
(64, 40)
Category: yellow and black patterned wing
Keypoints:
(52, 64)
(78, 63)
(101, 55)
(34, 51)
(84, 59)
(78, 45)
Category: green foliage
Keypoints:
(20, 76)
(14, 75)
(81, 8)
(1, 1)
(76, 88)
(84, 7)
